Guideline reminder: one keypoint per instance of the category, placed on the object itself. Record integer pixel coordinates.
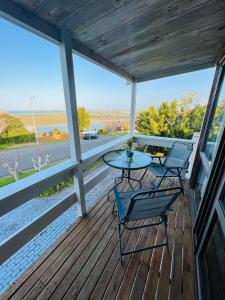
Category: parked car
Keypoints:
(90, 135)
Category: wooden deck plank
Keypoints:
(109, 269)
(27, 280)
(84, 262)
(67, 273)
(164, 280)
(62, 278)
(105, 265)
(176, 274)
(128, 279)
(136, 241)
(152, 279)
(188, 269)
(74, 244)
(78, 281)
(52, 264)
(89, 280)
(140, 279)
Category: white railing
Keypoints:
(168, 142)
(14, 195)
(23, 236)
(20, 192)
(158, 140)
(25, 189)
(95, 154)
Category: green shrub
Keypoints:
(11, 126)
(58, 187)
(18, 139)
(103, 131)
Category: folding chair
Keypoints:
(175, 164)
(134, 206)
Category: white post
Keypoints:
(33, 120)
(133, 107)
(72, 118)
(195, 139)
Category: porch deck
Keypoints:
(84, 262)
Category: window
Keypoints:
(215, 129)
(216, 126)
(201, 182)
(173, 106)
(103, 101)
(33, 123)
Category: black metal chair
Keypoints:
(175, 164)
(135, 205)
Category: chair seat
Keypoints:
(159, 171)
(143, 209)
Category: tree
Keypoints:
(172, 119)
(11, 166)
(40, 161)
(83, 118)
(11, 126)
(217, 121)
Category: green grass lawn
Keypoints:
(51, 191)
(10, 146)
(9, 179)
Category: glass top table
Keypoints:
(119, 159)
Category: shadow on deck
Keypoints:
(84, 262)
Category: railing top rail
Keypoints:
(162, 140)
(24, 189)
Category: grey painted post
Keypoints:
(133, 107)
(72, 118)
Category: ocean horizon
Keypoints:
(37, 112)
(52, 112)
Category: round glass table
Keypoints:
(119, 159)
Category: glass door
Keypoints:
(209, 226)
(215, 128)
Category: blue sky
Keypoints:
(30, 66)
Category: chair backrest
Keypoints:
(145, 205)
(178, 155)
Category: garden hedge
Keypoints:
(18, 139)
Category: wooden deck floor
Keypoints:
(84, 264)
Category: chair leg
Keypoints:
(142, 177)
(160, 182)
(165, 221)
(181, 184)
(120, 246)
(108, 194)
(114, 203)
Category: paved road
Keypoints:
(57, 151)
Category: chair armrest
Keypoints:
(175, 167)
(119, 203)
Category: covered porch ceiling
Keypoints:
(138, 39)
